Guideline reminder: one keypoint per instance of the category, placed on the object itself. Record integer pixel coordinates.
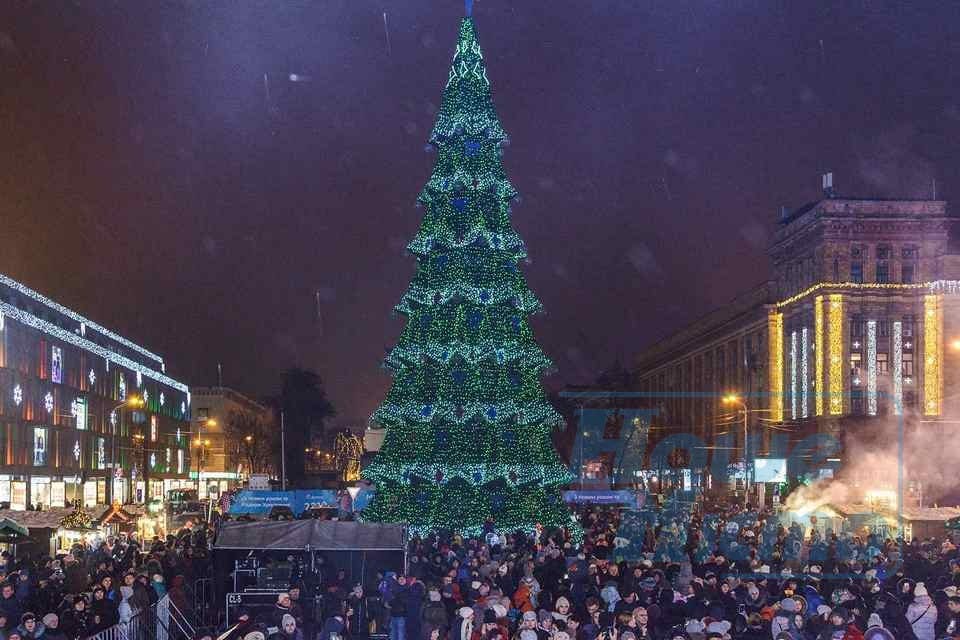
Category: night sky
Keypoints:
(151, 178)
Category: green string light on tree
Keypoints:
(468, 426)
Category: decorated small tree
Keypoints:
(468, 426)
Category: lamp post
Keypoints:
(134, 402)
(201, 443)
(737, 400)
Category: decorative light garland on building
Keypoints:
(775, 349)
(871, 367)
(944, 286)
(73, 315)
(804, 373)
(818, 354)
(932, 375)
(72, 338)
(835, 325)
(793, 375)
(898, 367)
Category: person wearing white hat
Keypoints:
(922, 614)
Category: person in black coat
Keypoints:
(73, 621)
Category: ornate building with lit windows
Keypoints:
(85, 414)
(855, 328)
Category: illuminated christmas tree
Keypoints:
(468, 426)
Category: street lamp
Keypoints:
(734, 399)
(134, 402)
(200, 442)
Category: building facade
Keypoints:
(857, 328)
(212, 407)
(68, 427)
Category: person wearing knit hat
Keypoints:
(922, 613)
(561, 609)
(463, 627)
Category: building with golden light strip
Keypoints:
(857, 322)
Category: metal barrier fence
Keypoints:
(161, 621)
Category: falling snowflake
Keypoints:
(48, 402)
(17, 395)
(92, 377)
(146, 396)
(74, 408)
(162, 399)
(76, 451)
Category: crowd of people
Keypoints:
(732, 575)
(97, 585)
(664, 574)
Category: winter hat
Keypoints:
(489, 617)
(287, 619)
(561, 600)
(694, 626)
(874, 621)
(719, 626)
(823, 610)
(543, 616)
(499, 610)
(563, 635)
(789, 605)
(529, 616)
(920, 590)
(528, 634)
(254, 635)
(29, 615)
(465, 612)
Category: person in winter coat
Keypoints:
(333, 629)
(398, 613)
(10, 605)
(74, 620)
(158, 586)
(785, 619)
(52, 624)
(949, 625)
(288, 629)
(922, 614)
(124, 609)
(103, 611)
(30, 628)
(462, 628)
(358, 613)
(433, 615)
